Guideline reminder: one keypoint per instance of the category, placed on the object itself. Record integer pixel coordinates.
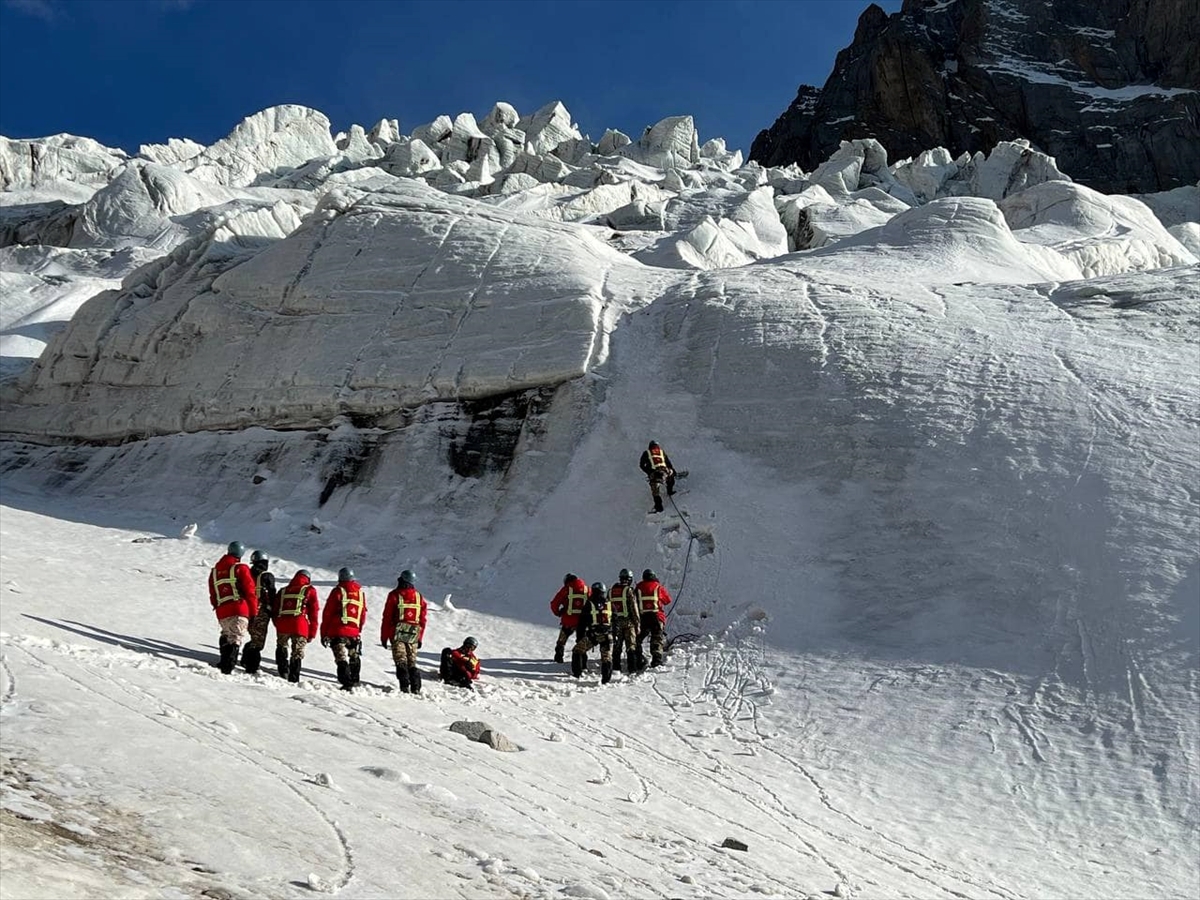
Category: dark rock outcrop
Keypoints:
(1110, 88)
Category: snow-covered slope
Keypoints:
(936, 566)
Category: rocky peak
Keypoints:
(1110, 88)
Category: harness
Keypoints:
(291, 603)
(658, 458)
(620, 598)
(225, 586)
(576, 601)
(602, 614)
(408, 624)
(352, 611)
(648, 602)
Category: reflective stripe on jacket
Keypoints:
(576, 602)
(352, 605)
(620, 598)
(648, 602)
(291, 602)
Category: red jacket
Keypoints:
(345, 611)
(651, 596)
(231, 589)
(296, 609)
(404, 606)
(466, 662)
(568, 608)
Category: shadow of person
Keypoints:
(136, 643)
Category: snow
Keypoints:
(1102, 235)
(1032, 73)
(937, 618)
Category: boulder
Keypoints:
(498, 741)
(472, 731)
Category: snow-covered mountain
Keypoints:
(938, 586)
(1110, 88)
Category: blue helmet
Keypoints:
(345, 573)
(236, 548)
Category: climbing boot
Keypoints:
(578, 660)
(251, 659)
(229, 655)
(402, 677)
(606, 670)
(558, 653)
(656, 660)
(414, 679)
(343, 674)
(281, 662)
(293, 672)
(355, 669)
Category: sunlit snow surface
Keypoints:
(938, 555)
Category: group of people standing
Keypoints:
(247, 600)
(616, 620)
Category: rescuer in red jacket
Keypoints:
(232, 595)
(461, 666)
(651, 597)
(295, 615)
(570, 601)
(342, 624)
(659, 471)
(403, 629)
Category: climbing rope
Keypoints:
(687, 637)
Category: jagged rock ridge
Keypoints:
(1109, 88)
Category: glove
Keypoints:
(324, 642)
(418, 645)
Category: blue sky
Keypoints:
(127, 72)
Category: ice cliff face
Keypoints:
(285, 276)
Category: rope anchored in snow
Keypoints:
(692, 538)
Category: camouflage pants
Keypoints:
(586, 640)
(298, 642)
(625, 638)
(346, 649)
(656, 482)
(564, 634)
(404, 654)
(652, 628)
(233, 630)
(258, 630)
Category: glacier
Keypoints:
(939, 630)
